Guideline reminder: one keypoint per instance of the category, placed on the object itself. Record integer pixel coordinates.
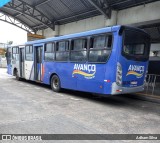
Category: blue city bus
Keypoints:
(106, 61)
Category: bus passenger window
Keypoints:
(29, 53)
(109, 43)
(62, 46)
(99, 42)
(79, 50)
(27, 49)
(100, 48)
(62, 51)
(15, 53)
(14, 50)
(49, 52)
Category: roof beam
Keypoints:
(121, 2)
(11, 20)
(25, 9)
(84, 3)
(74, 16)
(102, 6)
(42, 3)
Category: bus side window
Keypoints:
(62, 51)
(109, 42)
(100, 48)
(49, 52)
(29, 53)
(79, 50)
(99, 42)
(15, 53)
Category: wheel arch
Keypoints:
(15, 71)
(55, 82)
(52, 76)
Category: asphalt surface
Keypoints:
(32, 108)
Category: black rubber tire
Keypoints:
(55, 83)
(17, 76)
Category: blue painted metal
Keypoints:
(94, 78)
(3, 2)
(98, 31)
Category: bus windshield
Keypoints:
(136, 45)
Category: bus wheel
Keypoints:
(17, 75)
(55, 83)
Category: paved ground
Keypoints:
(27, 107)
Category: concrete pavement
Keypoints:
(31, 108)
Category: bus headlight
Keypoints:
(119, 74)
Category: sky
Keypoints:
(10, 32)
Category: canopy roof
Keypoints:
(34, 15)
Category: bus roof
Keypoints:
(15, 45)
(81, 34)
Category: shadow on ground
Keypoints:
(124, 100)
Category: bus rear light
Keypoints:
(119, 74)
(107, 80)
(119, 90)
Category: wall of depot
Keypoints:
(139, 15)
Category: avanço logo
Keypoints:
(86, 70)
(136, 70)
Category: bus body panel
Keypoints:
(64, 72)
(77, 76)
(29, 70)
(48, 71)
(15, 66)
(110, 74)
(133, 80)
(133, 72)
(89, 77)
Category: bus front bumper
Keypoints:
(124, 90)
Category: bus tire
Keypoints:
(17, 76)
(55, 83)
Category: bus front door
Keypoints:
(21, 64)
(38, 63)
